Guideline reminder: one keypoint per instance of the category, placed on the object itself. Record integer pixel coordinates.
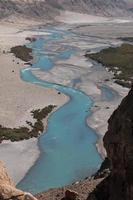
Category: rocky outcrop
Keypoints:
(118, 142)
(70, 195)
(8, 189)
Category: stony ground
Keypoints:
(83, 188)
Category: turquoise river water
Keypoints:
(68, 151)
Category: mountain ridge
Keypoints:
(47, 9)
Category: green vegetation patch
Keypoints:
(127, 39)
(119, 60)
(40, 114)
(22, 52)
(17, 134)
(14, 134)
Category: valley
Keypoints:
(57, 93)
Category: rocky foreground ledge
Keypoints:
(8, 189)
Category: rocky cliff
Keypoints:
(118, 142)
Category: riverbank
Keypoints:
(92, 83)
(17, 101)
(118, 60)
(101, 112)
(82, 188)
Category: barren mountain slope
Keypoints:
(50, 8)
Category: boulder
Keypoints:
(71, 195)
